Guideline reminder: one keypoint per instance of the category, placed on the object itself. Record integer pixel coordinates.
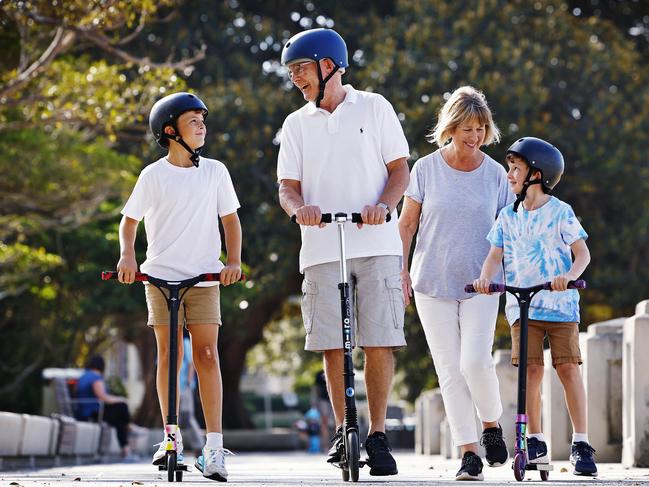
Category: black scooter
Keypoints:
(351, 461)
(524, 295)
(174, 469)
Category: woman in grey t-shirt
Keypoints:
(454, 196)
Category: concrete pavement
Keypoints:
(296, 468)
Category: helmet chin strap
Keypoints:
(195, 154)
(323, 82)
(520, 197)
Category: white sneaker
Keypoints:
(159, 455)
(212, 463)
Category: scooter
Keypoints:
(174, 469)
(351, 461)
(524, 295)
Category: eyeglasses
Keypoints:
(298, 68)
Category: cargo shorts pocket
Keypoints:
(309, 293)
(395, 296)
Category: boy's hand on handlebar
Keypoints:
(482, 286)
(309, 215)
(406, 286)
(230, 274)
(126, 269)
(560, 283)
(372, 215)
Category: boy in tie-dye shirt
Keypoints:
(534, 239)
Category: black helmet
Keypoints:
(316, 44)
(167, 110)
(541, 156)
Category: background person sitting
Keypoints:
(91, 385)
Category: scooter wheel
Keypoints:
(545, 475)
(171, 465)
(345, 470)
(353, 454)
(519, 466)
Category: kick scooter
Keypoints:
(350, 462)
(171, 465)
(524, 295)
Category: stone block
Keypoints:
(602, 371)
(11, 425)
(635, 389)
(36, 435)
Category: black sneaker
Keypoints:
(335, 454)
(537, 451)
(378, 455)
(496, 452)
(471, 468)
(581, 456)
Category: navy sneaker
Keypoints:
(471, 468)
(379, 458)
(581, 456)
(537, 451)
(335, 454)
(496, 452)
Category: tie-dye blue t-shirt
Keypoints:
(536, 248)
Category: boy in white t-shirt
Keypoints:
(181, 198)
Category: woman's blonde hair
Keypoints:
(465, 105)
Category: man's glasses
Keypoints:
(298, 68)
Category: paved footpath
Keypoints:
(293, 468)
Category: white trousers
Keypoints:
(460, 335)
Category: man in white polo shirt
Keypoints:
(345, 151)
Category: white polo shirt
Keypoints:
(340, 160)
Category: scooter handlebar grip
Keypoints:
(108, 275)
(493, 288)
(578, 284)
(325, 218)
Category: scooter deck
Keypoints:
(539, 466)
(180, 466)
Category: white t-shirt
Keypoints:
(180, 207)
(340, 160)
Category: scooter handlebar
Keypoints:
(141, 277)
(354, 217)
(501, 288)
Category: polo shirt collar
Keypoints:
(350, 97)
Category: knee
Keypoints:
(534, 373)
(476, 367)
(568, 372)
(207, 356)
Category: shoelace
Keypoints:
(490, 438)
(470, 460)
(378, 444)
(584, 450)
(337, 434)
(214, 454)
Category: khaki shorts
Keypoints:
(563, 337)
(376, 300)
(198, 305)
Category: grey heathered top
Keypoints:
(458, 210)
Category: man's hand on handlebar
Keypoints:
(373, 215)
(309, 215)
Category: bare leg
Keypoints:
(533, 398)
(333, 367)
(379, 370)
(575, 393)
(206, 361)
(162, 372)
